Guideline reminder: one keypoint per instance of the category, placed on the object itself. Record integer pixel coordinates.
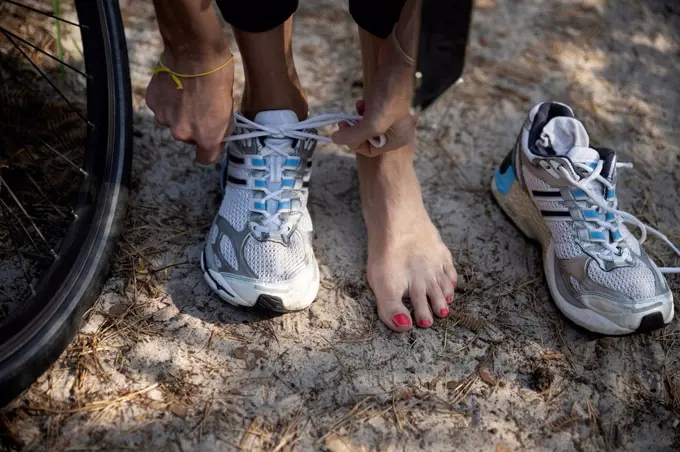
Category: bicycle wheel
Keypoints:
(65, 156)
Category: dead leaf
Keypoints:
(241, 352)
(118, 309)
(486, 376)
(452, 384)
(178, 409)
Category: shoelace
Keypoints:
(619, 215)
(273, 222)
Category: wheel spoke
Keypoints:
(44, 196)
(47, 79)
(33, 46)
(45, 13)
(21, 207)
(47, 145)
(19, 254)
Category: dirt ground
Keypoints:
(162, 364)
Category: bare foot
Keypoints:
(201, 112)
(406, 256)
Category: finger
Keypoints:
(437, 300)
(210, 149)
(207, 154)
(354, 136)
(364, 149)
(181, 131)
(361, 107)
(160, 121)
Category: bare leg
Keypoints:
(406, 256)
(194, 43)
(272, 82)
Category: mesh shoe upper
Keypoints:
(263, 230)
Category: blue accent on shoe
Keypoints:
(293, 161)
(504, 180)
(616, 235)
(611, 194)
(597, 235)
(610, 216)
(593, 165)
(260, 206)
(289, 182)
(590, 214)
(577, 193)
(258, 162)
(284, 205)
(260, 183)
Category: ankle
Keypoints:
(280, 98)
(200, 59)
(389, 188)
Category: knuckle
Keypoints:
(181, 132)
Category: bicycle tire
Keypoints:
(35, 334)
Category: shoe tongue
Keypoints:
(585, 155)
(277, 118)
(561, 134)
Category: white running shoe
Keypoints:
(259, 249)
(562, 192)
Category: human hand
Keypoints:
(386, 109)
(201, 112)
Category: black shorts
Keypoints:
(377, 17)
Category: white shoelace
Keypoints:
(272, 222)
(619, 215)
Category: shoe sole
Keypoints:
(271, 303)
(519, 207)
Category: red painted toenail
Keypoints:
(444, 312)
(401, 320)
(449, 299)
(424, 323)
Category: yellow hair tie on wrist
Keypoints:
(160, 67)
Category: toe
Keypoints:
(437, 299)
(451, 273)
(393, 313)
(389, 291)
(421, 308)
(446, 287)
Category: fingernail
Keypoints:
(424, 323)
(444, 312)
(449, 299)
(401, 320)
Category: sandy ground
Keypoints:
(162, 364)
